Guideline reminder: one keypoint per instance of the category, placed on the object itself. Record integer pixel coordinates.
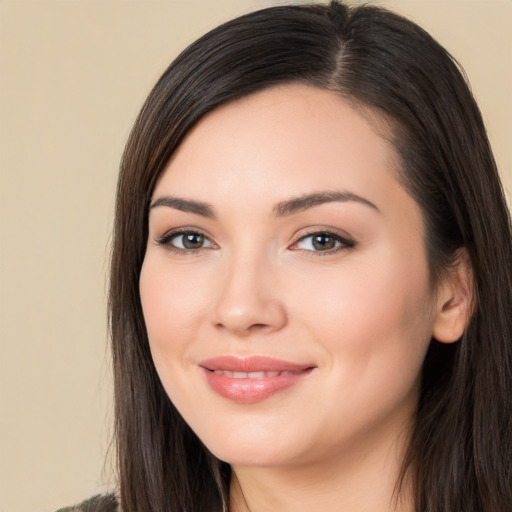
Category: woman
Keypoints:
(311, 277)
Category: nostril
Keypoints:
(258, 326)
(250, 328)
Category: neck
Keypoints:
(360, 479)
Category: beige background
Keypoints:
(72, 77)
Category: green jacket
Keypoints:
(101, 503)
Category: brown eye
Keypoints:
(192, 240)
(323, 242)
(185, 241)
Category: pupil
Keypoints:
(323, 242)
(192, 241)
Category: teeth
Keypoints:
(252, 375)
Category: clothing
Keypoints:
(100, 503)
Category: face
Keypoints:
(285, 286)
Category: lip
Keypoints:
(252, 379)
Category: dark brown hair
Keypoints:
(460, 452)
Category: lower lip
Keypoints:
(250, 391)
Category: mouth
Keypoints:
(252, 375)
(253, 379)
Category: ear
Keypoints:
(455, 303)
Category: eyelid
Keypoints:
(166, 239)
(346, 241)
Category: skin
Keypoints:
(362, 313)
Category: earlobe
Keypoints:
(455, 303)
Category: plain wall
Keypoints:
(73, 75)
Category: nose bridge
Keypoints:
(249, 298)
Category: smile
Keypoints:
(253, 379)
(252, 375)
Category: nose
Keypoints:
(249, 299)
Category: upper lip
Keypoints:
(253, 364)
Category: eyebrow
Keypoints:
(301, 203)
(185, 205)
(282, 209)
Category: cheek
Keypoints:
(172, 303)
(374, 330)
(372, 317)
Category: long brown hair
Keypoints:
(460, 452)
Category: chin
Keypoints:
(255, 446)
(252, 456)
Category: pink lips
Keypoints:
(252, 379)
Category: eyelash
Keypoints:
(343, 242)
(167, 239)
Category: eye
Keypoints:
(322, 241)
(185, 241)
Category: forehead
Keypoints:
(286, 140)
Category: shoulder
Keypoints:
(101, 503)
